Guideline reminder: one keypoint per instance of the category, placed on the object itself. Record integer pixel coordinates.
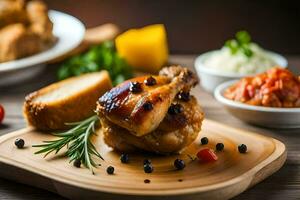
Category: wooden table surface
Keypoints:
(285, 184)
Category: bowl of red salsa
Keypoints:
(269, 99)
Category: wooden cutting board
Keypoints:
(232, 174)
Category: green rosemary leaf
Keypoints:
(51, 141)
(77, 141)
(95, 152)
(73, 123)
(87, 156)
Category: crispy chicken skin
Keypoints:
(173, 134)
(16, 42)
(127, 124)
(25, 29)
(39, 20)
(126, 108)
(11, 12)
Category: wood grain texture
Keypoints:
(230, 175)
(284, 184)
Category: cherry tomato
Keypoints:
(207, 155)
(2, 113)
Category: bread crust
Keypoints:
(53, 115)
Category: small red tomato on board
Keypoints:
(2, 113)
(207, 155)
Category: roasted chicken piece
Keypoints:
(39, 21)
(126, 104)
(153, 113)
(11, 12)
(16, 42)
(173, 134)
(25, 29)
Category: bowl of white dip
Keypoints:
(219, 66)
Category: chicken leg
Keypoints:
(140, 104)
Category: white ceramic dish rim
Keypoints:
(47, 54)
(218, 93)
(279, 59)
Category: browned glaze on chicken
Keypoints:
(126, 104)
(172, 135)
(153, 113)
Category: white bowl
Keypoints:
(259, 115)
(211, 78)
(69, 32)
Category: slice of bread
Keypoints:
(70, 100)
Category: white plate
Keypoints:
(259, 115)
(69, 32)
(211, 78)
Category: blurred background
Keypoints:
(198, 26)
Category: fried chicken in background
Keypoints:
(25, 29)
(11, 12)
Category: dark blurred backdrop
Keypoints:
(198, 26)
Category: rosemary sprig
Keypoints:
(77, 140)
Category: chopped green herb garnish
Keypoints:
(243, 37)
(241, 43)
(100, 57)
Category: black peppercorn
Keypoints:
(147, 161)
(147, 181)
(19, 143)
(148, 168)
(204, 140)
(110, 170)
(77, 163)
(124, 158)
(219, 146)
(175, 109)
(242, 148)
(148, 106)
(184, 96)
(150, 81)
(179, 164)
(135, 87)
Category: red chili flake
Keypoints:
(207, 155)
(2, 113)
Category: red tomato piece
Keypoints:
(1, 113)
(207, 155)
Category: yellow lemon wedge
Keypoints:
(145, 49)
